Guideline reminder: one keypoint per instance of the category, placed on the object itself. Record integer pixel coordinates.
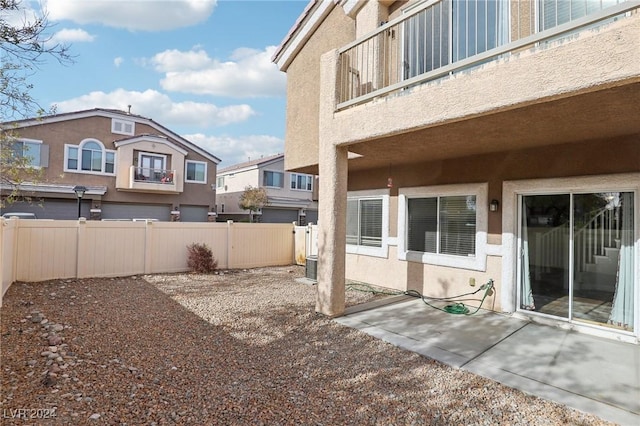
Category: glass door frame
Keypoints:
(519, 249)
(567, 186)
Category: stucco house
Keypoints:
(132, 167)
(292, 197)
(469, 141)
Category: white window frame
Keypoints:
(186, 165)
(273, 171)
(79, 148)
(383, 250)
(293, 179)
(478, 262)
(115, 123)
(220, 182)
(37, 142)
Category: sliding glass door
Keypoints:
(576, 257)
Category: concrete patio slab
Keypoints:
(592, 374)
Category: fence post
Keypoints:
(229, 244)
(81, 252)
(148, 246)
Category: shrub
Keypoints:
(201, 259)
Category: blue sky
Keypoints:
(201, 68)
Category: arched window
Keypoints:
(90, 156)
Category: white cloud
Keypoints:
(161, 108)
(248, 73)
(134, 15)
(118, 61)
(233, 150)
(177, 61)
(67, 35)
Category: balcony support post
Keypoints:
(332, 209)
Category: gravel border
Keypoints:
(235, 348)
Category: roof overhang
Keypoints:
(310, 19)
(100, 112)
(58, 190)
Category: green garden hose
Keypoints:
(456, 308)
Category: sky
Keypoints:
(201, 68)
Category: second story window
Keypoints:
(31, 153)
(196, 172)
(301, 182)
(273, 179)
(220, 182)
(89, 157)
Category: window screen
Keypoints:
(364, 222)
(444, 225)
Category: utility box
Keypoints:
(311, 268)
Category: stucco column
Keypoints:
(332, 214)
(332, 206)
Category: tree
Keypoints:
(24, 45)
(15, 168)
(253, 199)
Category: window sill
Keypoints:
(368, 251)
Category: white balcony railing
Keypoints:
(438, 38)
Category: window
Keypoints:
(273, 179)
(368, 222)
(364, 222)
(449, 31)
(196, 171)
(122, 127)
(92, 157)
(444, 225)
(220, 182)
(110, 162)
(552, 13)
(33, 153)
(301, 182)
(89, 157)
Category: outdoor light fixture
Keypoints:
(493, 206)
(79, 190)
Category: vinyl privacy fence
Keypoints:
(39, 250)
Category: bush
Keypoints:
(201, 259)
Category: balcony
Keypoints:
(149, 180)
(443, 38)
(426, 87)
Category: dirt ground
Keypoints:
(240, 347)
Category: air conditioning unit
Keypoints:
(311, 268)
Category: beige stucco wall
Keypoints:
(430, 280)
(303, 90)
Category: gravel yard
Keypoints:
(242, 347)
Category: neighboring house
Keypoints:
(131, 166)
(468, 141)
(292, 196)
